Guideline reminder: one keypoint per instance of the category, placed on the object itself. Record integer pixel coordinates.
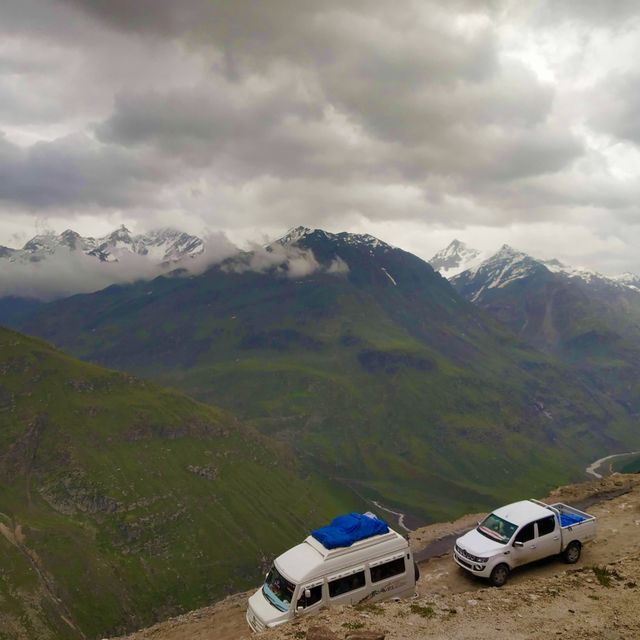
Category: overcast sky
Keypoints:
(417, 122)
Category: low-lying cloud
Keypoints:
(288, 261)
(66, 272)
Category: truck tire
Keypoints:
(416, 572)
(499, 575)
(571, 554)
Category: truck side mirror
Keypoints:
(517, 543)
(307, 594)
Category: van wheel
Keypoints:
(499, 575)
(416, 572)
(571, 554)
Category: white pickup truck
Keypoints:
(520, 533)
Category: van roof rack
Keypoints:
(356, 546)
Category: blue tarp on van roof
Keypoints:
(345, 530)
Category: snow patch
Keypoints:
(395, 284)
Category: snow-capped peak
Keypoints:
(365, 239)
(508, 252)
(456, 258)
(161, 246)
(625, 281)
(296, 234)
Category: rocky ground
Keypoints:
(598, 598)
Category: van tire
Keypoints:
(499, 575)
(416, 572)
(571, 554)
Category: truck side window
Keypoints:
(525, 534)
(316, 596)
(387, 570)
(344, 585)
(546, 526)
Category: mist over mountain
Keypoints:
(51, 266)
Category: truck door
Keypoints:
(525, 553)
(547, 540)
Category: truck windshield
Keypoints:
(278, 590)
(496, 528)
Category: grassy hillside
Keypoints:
(383, 377)
(121, 503)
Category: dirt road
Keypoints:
(544, 600)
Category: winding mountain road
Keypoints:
(592, 468)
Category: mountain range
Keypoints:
(160, 246)
(588, 320)
(51, 266)
(356, 353)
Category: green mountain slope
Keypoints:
(121, 503)
(380, 375)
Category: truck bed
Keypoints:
(570, 516)
(574, 524)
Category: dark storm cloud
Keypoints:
(416, 93)
(73, 171)
(617, 106)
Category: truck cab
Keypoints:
(520, 533)
(310, 576)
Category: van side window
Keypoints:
(387, 570)
(526, 533)
(546, 525)
(316, 596)
(344, 585)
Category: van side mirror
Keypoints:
(307, 594)
(517, 543)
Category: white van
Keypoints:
(309, 577)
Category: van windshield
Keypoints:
(495, 528)
(278, 590)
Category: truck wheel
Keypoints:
(499, 575)
(571, 554)
(416, 571)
